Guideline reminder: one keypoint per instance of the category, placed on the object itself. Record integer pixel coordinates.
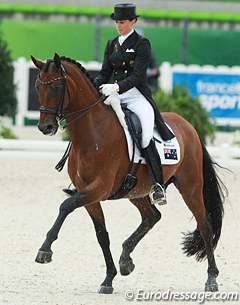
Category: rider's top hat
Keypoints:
(124, 11)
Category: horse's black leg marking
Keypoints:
(103, 239)
(211, 283)
(200, 243)
(69, 205)
(150, 216)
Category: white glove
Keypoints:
(108, 89)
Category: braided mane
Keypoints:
(85, 72)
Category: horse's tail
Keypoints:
(214, 193)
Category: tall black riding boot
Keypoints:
(157, 193)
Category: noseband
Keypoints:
(59, 114)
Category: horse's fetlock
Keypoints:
(213, 271)
(51, 238)
(127, 246)
(112, 273)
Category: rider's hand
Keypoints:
(108, 89)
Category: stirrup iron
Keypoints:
(158, 197)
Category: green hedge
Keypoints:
(43, 38)
(92, 11)
(180, 102)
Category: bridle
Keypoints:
(59, 112)
(60, 115)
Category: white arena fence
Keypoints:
(32, 149)
(225, 155)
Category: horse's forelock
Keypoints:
(47, 64)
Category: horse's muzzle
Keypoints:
(48, 128)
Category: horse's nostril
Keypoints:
(49, 127)
(46, 128)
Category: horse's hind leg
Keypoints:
(200, 242)
(206, 232)
(211, 283)
(96, 213)
(150, 216)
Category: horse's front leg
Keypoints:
(69, 205)
(150, 216)
(96, 213)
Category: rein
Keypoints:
(82, 111)
(60, 115)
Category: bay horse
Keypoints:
(98, 163)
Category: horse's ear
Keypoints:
(57, 60)
(39, 64)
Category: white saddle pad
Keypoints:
(169, 151)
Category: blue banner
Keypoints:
(218, 93)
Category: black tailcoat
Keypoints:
(126, 65)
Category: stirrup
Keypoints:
(158, 195)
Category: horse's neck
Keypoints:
(99, 125)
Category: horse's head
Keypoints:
(57, 87)
(51, 87)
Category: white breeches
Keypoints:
(137, 103)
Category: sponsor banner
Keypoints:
(218, 93)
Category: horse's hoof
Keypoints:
(105, 289)
(126, 267)
(212, 287)
(44, 257)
